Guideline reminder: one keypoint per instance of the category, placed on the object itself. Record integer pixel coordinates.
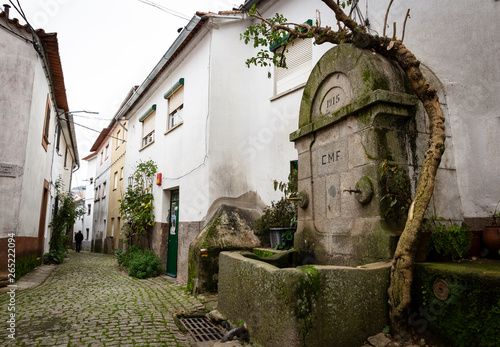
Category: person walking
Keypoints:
(78, 240)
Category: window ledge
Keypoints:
(149, 144)
(286, 92)
(175, 127)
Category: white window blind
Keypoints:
(176, 100)
(299, 65)
(148, 124)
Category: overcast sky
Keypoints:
(107, 47)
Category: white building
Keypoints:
(38, 142)
(101, 186)
(88, 221)
(219, 130)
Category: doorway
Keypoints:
(172, 234)
(43, 217)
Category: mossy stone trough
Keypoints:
(310, 305)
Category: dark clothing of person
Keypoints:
(78, 240)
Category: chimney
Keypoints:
(6, 10)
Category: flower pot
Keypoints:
(275, 235)
(491, 238)
(475, 244)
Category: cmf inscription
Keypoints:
(330, 157)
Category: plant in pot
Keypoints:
(491, 234)
(279, 220)
(449, 240)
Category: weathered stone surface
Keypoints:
(357, 108)
(379, 340)
(229, 229)
(305, 306)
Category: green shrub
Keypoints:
(124, 257)
(55, 256)
(143, 264)
(453, 240)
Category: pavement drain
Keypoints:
(201, 329)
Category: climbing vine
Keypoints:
(64, 214)
(136, 207)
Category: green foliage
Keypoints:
(496, 216)
(123, 257)
(396, 185)
(282, 213)
(287, 239)
(65, 211)
(136, 207)
(140, 263)
(452, 240)
(25, 264)
(144, 264)
(469, 317)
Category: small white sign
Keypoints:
(8, 170)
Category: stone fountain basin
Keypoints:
(311, 305)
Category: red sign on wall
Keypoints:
(158, 179)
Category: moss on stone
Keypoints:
(470, 314)
(26, 263)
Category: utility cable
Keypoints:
(97, 131)
(163, 8)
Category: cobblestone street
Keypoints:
(87, 301)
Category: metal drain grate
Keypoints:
(201, 329)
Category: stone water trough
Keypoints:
(311, 305)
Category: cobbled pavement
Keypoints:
(88, 301)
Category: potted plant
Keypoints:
(450, 241)
(279, 220)
(491, 234)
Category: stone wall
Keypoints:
(304, 306)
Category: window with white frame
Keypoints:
(121, 173)
(115, 181)
(148, 126)
(299, 65)
(104, 190)
(175, 97)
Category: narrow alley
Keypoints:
(88, 301)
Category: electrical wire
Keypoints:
(165, 9)
(97, 131)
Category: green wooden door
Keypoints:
(172, 234)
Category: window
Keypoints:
(66, 158)
(121, 173)
(175, 117)
(104, 190)
(89, 209)
(58, 140)
(148, 126)
(96, 194)
(118, 139)
(175, 97)
(46, 124)
(116, 181)
(299, 65)
(87, 233)
(107, 151)
(102, 157)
